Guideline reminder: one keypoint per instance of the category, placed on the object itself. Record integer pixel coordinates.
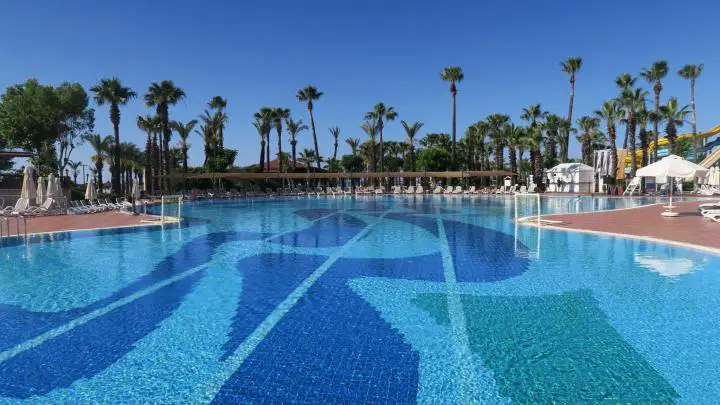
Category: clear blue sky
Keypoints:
(358, 53)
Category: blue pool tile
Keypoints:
(335, 230)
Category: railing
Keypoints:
(5, 228)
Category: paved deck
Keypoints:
(690, 228)
(55, 223)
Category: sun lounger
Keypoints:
(438, 190)
(419, 190)
(713, 215)
(396, 190)
(457, 190)
(21, 205)
(410, 190)
(471, 190)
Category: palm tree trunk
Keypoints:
(99, 179)
(155, 164)
(294, 144)
(631, 135)
(513, 159)
(317, 150)
(335, 150)
(612, 134)
(564, 144)
(655, 123)
(267, 153)
(694, 120)
(115, 117)
(262, 155)
(382, 158)
(454, 126)
(499, 159)
(280, 162)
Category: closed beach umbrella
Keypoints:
(136, 190)
(58, 189)
(50, 191)
(41, 192)
(90, 193)
(29, 191)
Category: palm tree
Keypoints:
(379, 114)
(588, 131)
(145, 124)
(625, 81)
(308, 95)
(480, 131)
(497, 135)
(112, 92)
(307, 156)
(570, 67)
(674, 117)
(335, 132)
(513, 136)
(263, 126)
(265, 117)
(353, 143)
(371, 129)
(632, 100)
(293, 129)
(532, 114)
(654, 75)
(642, 116)
(100, 146)
(691, 73)
(219, 104)
(278, 116)
(454, 75)
(75, 167)
(611, 113)
(552, 126)
(184, 131)
(411, 131)
(161, 96)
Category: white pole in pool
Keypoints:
(162, 209)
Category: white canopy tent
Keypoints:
(570, 178)
(672, 167)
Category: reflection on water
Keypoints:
(664, 265)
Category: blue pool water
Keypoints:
(358, 300)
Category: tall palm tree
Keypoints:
(294, 128)
(552, 126)
(513, 136)
(75, 167)
(625, 81)
(145, 124)
(481, 129)
(112, 92)
(219, 104)
(307, 156)
(533, 114)
(278, 115)
(454, 75)
(691, 73)
(571, 66)
(588, 129)
(642, 116)
(100, 146)
(161, 96)
(265, 116)
(353, 143)
(411, 130)
(184, 131)
(611, 113)
(674, 117)
(309, 95)
(497, 135)
(263, 127)
(632, 100)
(335, 132)
(370, 127)
(381, 113)
(654, 75)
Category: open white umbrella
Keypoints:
(28, 191)
(90, 193)
(41, 193)
(673, 167)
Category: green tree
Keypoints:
(353, 143)
(611, 113)
(100, 146)
(335, 132)
(513, 137)
(309, 95)
(184, 130)
(263, 126)
(552, 127)
(654, 75)
(75, 168)
(219, 104)
(454, 75)
(692, 73)
(161, 96)
(112, 92)
(381, 113)
(307, 156)
(294, 128)
(588, 130)
(674, 116)
(370, 127)
(265, 117)
(632, 100)
(570, 67)
(278, 115)
(411, 130)
(496, 123)
(146, 124)
(533, 114)
(434, 159)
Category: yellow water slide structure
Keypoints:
(707, 162)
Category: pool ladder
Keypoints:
(5, 223)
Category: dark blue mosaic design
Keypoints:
(371, 206)
(314, 213)
(18, 325)
(427, 223)
(483, 255)
(335, 230)
(267, 280)
(333, 347)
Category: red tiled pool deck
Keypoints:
(101, 220)
(688, 229)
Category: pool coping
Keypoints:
(686, 245)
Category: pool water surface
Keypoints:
(358, 300)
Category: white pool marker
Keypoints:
(210, 388)
(74, 323)
(468, 389)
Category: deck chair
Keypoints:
(419, 190)
(410, 190)
(457, 190)
(471, 190)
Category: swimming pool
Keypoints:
(357, 300)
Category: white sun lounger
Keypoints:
(458, 190)
(410, 190)
(419, 190)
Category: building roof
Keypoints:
(15, 154)
(570, 168)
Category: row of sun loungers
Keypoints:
(97, 205)
(22, 207)
(710, 210)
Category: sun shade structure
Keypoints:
(570, 178)
(673, 167)
(368, 175)
(90, 192)
(41, 191)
